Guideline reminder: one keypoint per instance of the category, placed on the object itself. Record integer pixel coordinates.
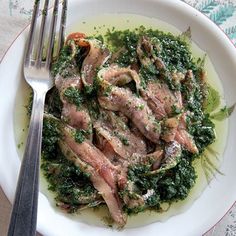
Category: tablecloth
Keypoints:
(14, 16)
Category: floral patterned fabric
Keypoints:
(222, 12)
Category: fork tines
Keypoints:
(61, 37)
(41, 42)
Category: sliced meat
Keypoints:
(78, 119)
(186, 140)
(189, 84)
(93, 156)
(154, 103)
(106, 191)
(172, 155)
(117, 54)
(177, 77)
(156, 158)
(169, 129)
(75, 37)
(104, 175)
(113, 141)
(119, 136)
(106, 148)
(63, 83)
(131, 198)
(175, 129)
(151, 158)
(183, 137)
(135, 108)
(119, 76)
(97, 55)
(161, 99)
(146, 49)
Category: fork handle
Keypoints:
(24, 213)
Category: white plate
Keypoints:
(213, 202)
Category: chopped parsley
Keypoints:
(73, 95)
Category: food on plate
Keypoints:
(127, 116)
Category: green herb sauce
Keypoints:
(169, 186)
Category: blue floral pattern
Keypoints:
(222, 12)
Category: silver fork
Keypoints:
(37, 74)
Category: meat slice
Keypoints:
(183, 137)
(173, 152)
(175, 129)
(103, 174)
(106, 148)
(97, 55)
(118, 136)
(154, 103)
(190, 85)
(121, 99)
(99, 183)
(92, 156)
(117, 54)
(113, 144)
(161, 99)
(77, 117)
(169, 129)
(119, 76)
(171, 157)
(64, 83)
(133, 107)
(151, 158)
(146, 49)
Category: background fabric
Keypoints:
(15, 15)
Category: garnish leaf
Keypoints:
(212, 100)
(223, 113)
(186, 36)
(209, 168)
(201, 61)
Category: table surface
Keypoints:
(15, 15)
